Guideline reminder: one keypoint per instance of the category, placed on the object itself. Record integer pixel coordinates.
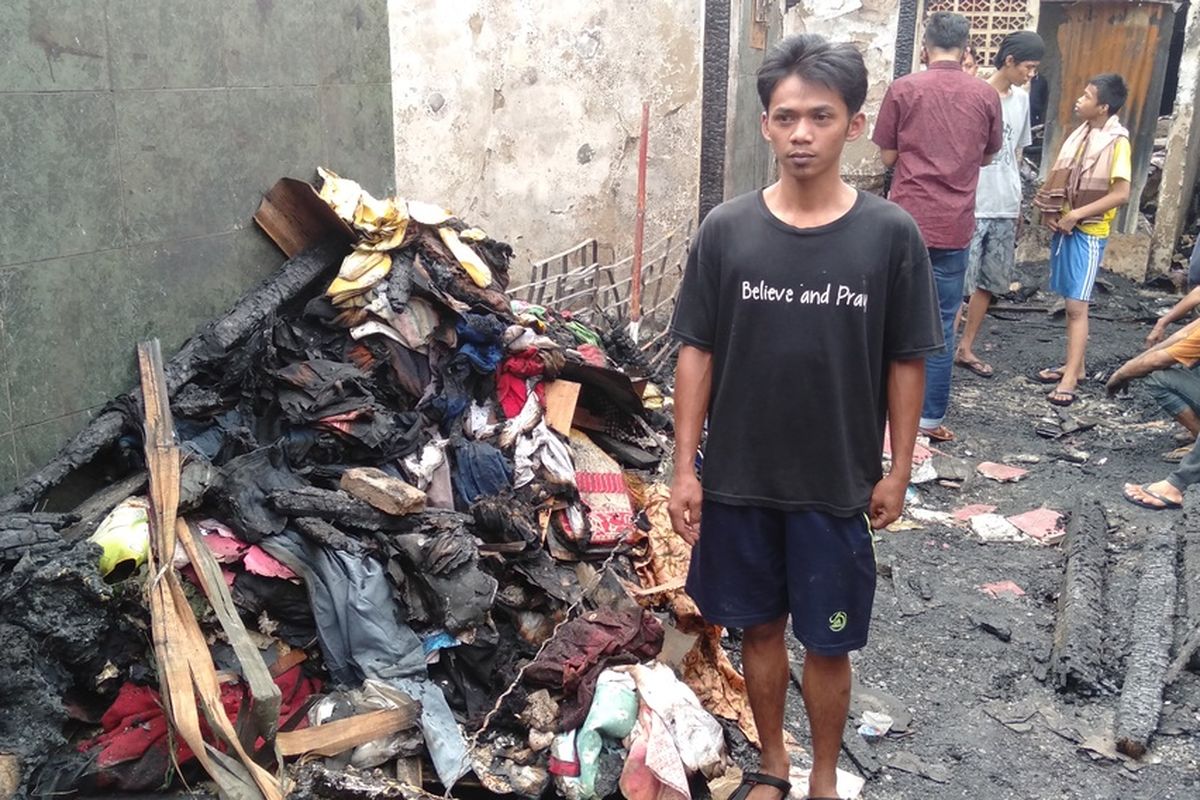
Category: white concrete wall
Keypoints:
(523, 117)
(872, 26)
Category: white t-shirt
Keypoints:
(999, 192)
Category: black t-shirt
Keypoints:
(801, 323)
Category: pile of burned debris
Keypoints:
(378, 517)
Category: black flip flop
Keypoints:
(1071, 398)
(980, 368)
(1053, 375)
(752, 779)
(1167, 503)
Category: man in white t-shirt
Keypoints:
(998, 199)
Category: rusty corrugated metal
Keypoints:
(1087, 38)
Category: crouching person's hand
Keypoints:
(684, 506)
(887, 501)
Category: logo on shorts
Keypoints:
(837, 622)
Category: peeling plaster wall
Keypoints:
(872, 25)
(1183, 151)
(524, 117)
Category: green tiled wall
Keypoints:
(136, 138)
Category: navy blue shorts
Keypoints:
(754, 565)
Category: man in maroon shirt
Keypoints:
(937, 128)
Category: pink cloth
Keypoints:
(653, 770)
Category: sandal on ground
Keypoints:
(1178, 454)
(752, 779)
(1167, 503)
(1184, 437)
(939, 434)
(980, 368)
(1049, 375)
(1061, 397)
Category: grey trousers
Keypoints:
(1176, 390)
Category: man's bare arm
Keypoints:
(906, 390)
(889, 157)
(1118, 195)
(1139, 367)
(1178, 311)
(693, 383)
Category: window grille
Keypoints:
(991, 21)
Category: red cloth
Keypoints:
(132, 753)
(592, 355)
(511, 388)
(942, 121)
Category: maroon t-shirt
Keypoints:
(942, 121)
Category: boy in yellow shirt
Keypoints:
(1087, 184)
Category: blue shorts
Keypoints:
(1074, 263)
(754, 565)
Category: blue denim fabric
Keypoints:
(1175, 389)
(949, 271)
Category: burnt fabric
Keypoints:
(480, 470)
(310, 390)
(284, 602)
(502, 519)
(243, 486)
(479, 340)
(133, 754)
(375, 434)
(454, 396)
(584, 647)
(361, 638)
(218, 439)
(443, 570)
(468, 675)
(511, 385)
(410, 369)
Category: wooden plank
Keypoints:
(561, 399)
(187, 676)
(262, 718)
(337, 737)
(295, 217)
(411, 771)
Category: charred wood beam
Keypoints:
(333, 506)
(217, 337)
(1186, 653)
(1077, 654)
(1153, 612)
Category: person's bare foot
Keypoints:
(968, 360)
(1157, 495)
(776, 767)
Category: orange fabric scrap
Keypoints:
(706, 668)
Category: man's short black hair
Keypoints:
(1110, 90)
(811, 57)
(946, 30)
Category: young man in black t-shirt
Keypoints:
(806, 311)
